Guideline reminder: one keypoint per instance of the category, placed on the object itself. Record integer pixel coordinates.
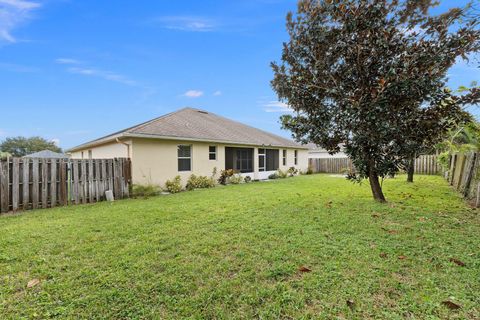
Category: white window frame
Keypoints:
(295, 156)
(214, 153)
(184, 158)
(284, 157)
(262, 163)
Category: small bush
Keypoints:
(225, 175)
(175, 185)
(199, 182)
(292, 171)
(282, 174)
(235, 179)
(145, 191)
(273, 176)
(247, 179)
(444, 160)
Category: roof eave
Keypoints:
(153, 136)
(158, 137)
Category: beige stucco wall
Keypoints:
(106, 151)
(155, 160)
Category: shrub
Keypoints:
(199, 182)
(148, 190)
(273, 176)
(247, 179)
(235, 179)
(224, 175)
(175, 185)
(282, 174)
(444, 160)
(292, 171)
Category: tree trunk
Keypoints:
(375, 186)
(410, 169)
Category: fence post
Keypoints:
(4, 183)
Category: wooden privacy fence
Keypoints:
(27, 184)
(425, 164)
(464, 175)
(330, 165)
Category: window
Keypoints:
(296, 157)
(212, 152)
(284, 153)
(261, 159)
(184, 158)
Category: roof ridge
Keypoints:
(143, 124)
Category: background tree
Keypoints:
(371, 74)
(21, 146)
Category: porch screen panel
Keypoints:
(272, 159)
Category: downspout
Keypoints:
(126, 144)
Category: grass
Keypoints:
(235, 252)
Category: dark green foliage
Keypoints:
(371, 75)
(21, 146)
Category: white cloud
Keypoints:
(187, 23)
(276, 106)
(67, 61)
(106, 75)
(193, 93)
(12, 14)
(217, 93)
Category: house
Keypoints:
(316, 152)
(191, 141)
(47, 154)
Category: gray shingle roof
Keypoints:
(47, 154)
(198, 125)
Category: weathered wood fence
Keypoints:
(425, 164)
(330, 165)
(27, 184)
(464, 175)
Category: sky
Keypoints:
(74, 70)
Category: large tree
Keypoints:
(21, 146)
(370, 74)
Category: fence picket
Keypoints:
(26, 184)
(15, 184)
(35, 182)
(53, 183)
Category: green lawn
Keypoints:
(235, 252)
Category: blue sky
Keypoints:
(75, 70)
